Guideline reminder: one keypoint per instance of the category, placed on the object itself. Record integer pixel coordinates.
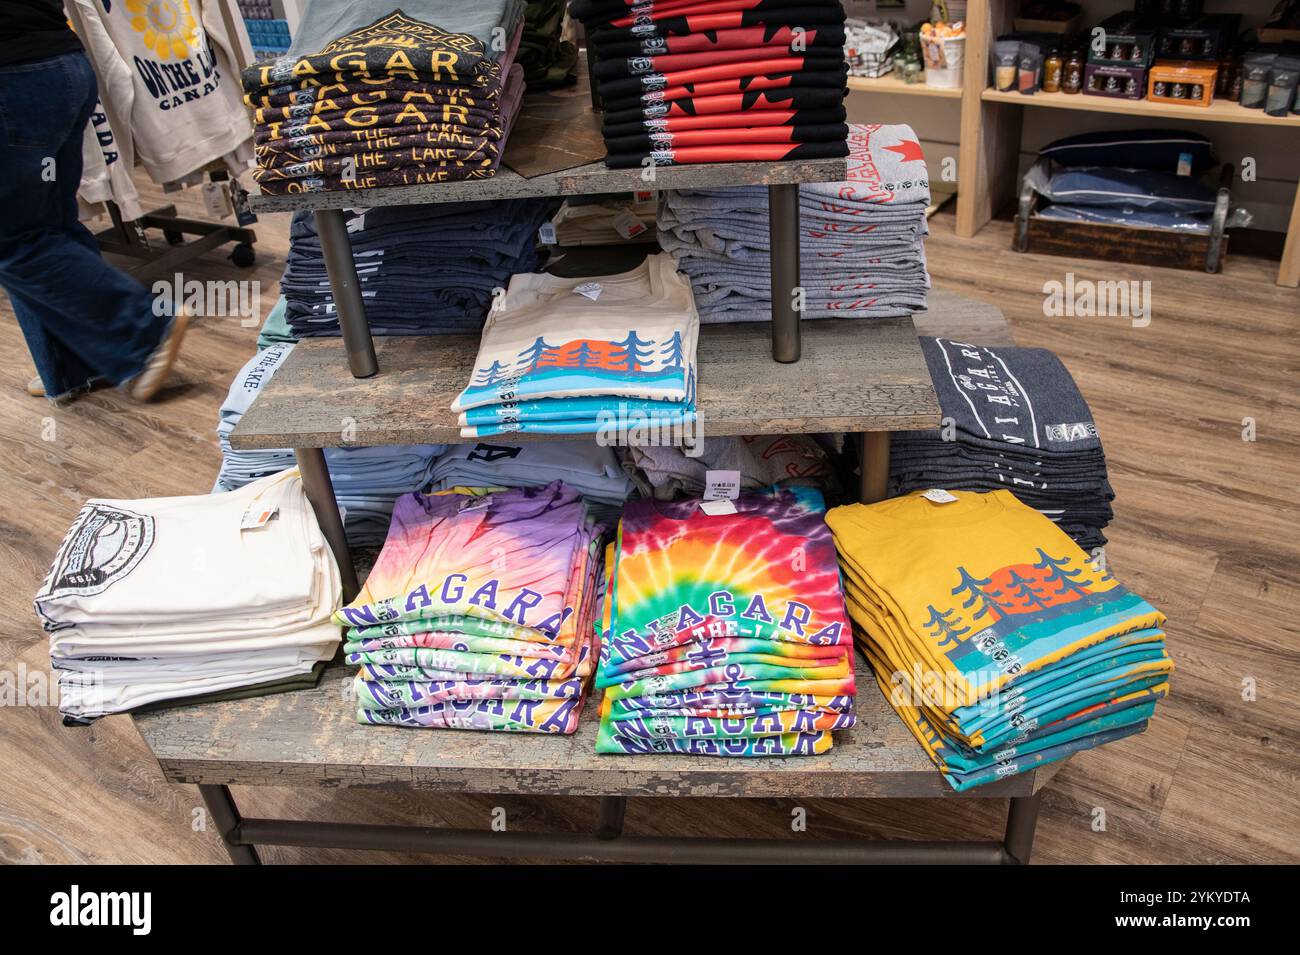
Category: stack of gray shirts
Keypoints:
(862, 249)
(668, 473)
(366, 480)
(589, 468)
(1014, 420)
(422, 270)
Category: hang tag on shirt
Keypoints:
(721, 485)
(546, 234)
(257, 516)
(628, 225)
(591, 290)
(216, 199)
(1184, 164)
(718, 508)
(938, 495)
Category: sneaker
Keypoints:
(146, 385)
(36, 387)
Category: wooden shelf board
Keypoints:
(311, 738)
(891, 83)
(1220, 111)
(590, 179)
(855, 375)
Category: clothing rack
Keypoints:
(129, 237)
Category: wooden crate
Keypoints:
(1119, 243)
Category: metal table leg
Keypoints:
(320, 492)
(337, 250)
(1022, 819)
(783, 222)
(613, 810)
(222, 809)
(875, 466)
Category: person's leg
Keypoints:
(81, 317)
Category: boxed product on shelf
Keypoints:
(1168, 8)
(1283, 24)
(1048, 16)
(1205, 38)
(1127, 40)
(1121, 82)
(1181, 82)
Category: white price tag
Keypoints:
(628, 225)
(257, 516)
(939, 496)
(547, 234)
(216, 199)
(721, 485)
(591, 290)
(718, 508)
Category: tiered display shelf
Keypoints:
(857, 376)
(781, 179)
(863, 377)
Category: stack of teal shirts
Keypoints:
(605, 355)
(725, 629)
(992, 635)
(479, 612)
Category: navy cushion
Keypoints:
(1130, 189)
(1155, 149)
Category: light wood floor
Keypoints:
(1207, 527)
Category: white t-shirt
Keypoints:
(629, 335)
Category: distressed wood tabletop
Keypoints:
(853, 376)
(311, 738)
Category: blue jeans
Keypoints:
(83, 319)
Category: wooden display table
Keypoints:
(856, 376)
(311, 738)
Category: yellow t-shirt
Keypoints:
(977, 591)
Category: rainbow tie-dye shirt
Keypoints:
(726, 604)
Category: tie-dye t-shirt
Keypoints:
(768, 572)
(728, 634)
(508, 557)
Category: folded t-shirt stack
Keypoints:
(548, 60)
(603, 354)
(862, 250)
(589, 468)
(668, 472)
(716, 641)
(604, 220)
(190, 598)
(366, 480)
(992, 635)
(705, 81)
(479, 613)
(373, 95)
(1017, 422)
(423, 270)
